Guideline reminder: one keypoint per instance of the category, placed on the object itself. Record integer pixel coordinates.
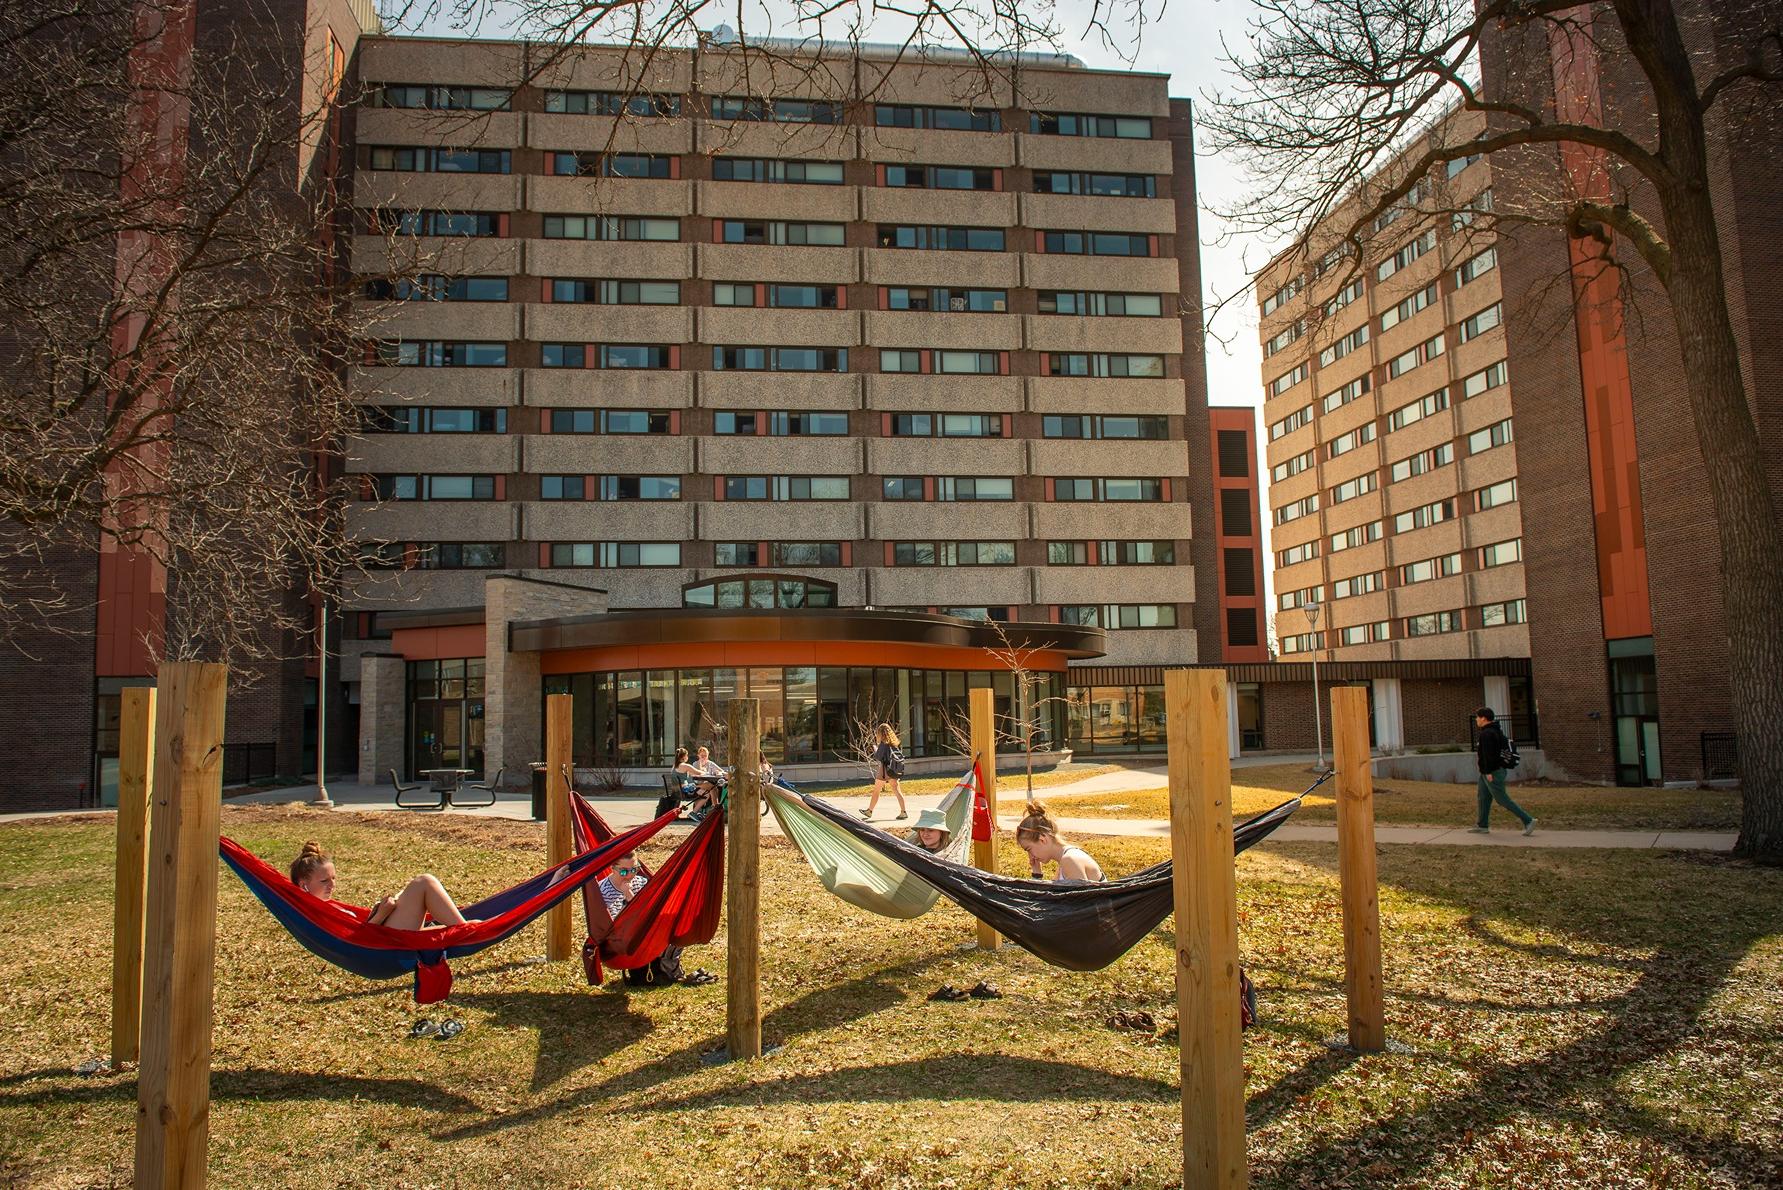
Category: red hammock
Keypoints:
(679, 904)
(341, 934)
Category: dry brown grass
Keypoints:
(1570, 1018)
(1430, 803)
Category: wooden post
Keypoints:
(1356, 868)
(179, 944)
(136, 759)
(559, 713)
(983, 715)
(1207, 1008)
(742, 982)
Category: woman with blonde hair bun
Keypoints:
(423, 901)
(1038, 835)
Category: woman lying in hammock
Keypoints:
(930, 832)
(422, 898)
(1038, 835)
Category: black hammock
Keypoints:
(1071, 924)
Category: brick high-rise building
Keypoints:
(1401, 504)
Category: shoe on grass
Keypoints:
(1529, 828)
(1478, 830)
(424, 1028)
(449, 1030)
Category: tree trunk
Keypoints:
(1745, 514)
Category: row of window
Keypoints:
(434, 287)
(1425, 570)
(778, 424)
(769, 487)
(411, 353)
(1484, 439)
(592, 164)
(667, 229)
(755, 109)
(1472, 385)
(1489, 615)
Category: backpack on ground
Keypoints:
(661, 971)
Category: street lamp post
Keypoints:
(1318, 717)
(321, 799)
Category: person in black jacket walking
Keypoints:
(1491, 749)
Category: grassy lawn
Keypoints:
(1567, 1018)
(1421, 803)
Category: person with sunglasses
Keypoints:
(623, 883)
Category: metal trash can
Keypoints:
(538, 792)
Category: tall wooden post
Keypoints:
(1356, 868)
(559, 713)
(136, 759)
(983, 713)
(1207, 1007)
(179, 944)
(742, 981)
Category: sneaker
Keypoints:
(424, 1028)
(449, 1030)
(901, 816)
(1478, 830)
(866, 815)
(1529, 828)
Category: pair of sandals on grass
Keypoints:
(978, 991)
(438, 1030)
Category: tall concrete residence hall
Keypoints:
(1578, 553)
(757, 386)
(725, 380)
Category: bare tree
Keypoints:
(1329, 95)
(1023, 724)
(175, 323)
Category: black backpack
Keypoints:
(661, 971)
(1509, 754)
(896, 767)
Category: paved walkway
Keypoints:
(629, 810)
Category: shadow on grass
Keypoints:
(576, 1029)
(250, 1083)
(819, 1009)
(1002, 1078)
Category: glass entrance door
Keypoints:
(1634, 694)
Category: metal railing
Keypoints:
(243, 763)
(1524, 730)
(1720, 755)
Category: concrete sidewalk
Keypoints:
(627, 810)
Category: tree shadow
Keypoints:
(575, 1029)
(245, 1083)
(1003, 1078)
(821, 1008)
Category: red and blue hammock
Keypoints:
(341, 933)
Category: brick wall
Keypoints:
(1439, 712)
(46, 701)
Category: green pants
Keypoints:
(1492, 790)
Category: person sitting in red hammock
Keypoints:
(422, 898)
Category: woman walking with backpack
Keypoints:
(888, 764)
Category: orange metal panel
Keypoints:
(737, 654)
(432, 644)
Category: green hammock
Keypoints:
(860, 875)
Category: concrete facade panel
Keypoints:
(611, 388)
(1070, 90)
(902, 520)
(750, 455)
(434, 520)
(608, 520)
(944, 394)
(594, 258)
(1088, 153)
(963, 270)
(610, 196)
(454, 129)
(439, 192)
(749, 327)
(951, 586)
(407, 255)
(1052, 332)
(771, 200)
(779, 390)
(1074, 394)
(566, 322)
(559, 132)
(944, 456)
(1072, 456)
(481, 387)
(1084, 212)
(1142, 274)
(938, 147)
(426, 59)
(946, 208)
(778, 263)
(947, 331)
(489, 321)
(1116, 584)
(1092, 522)
(608, 454)
(823, 142)
(420, 454)
(1151, 646)
(784, 520)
